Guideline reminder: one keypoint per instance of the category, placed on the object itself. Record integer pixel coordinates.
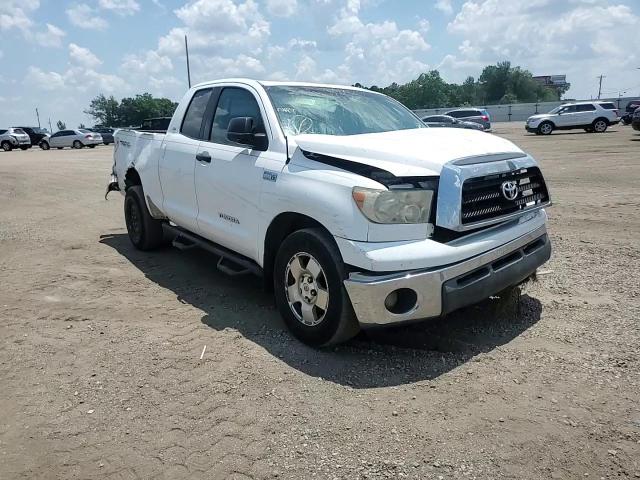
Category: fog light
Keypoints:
(391, 300)
(401, 301)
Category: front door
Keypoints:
(228, 188)
(568, 117)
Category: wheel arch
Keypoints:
(280, 227)
(601, 118)
(131, 178)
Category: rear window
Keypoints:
(84, 130)
(586, 108)
(19, 131)
(465, 113)
(195, 113)
(608, 106)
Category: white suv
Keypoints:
(591, 116)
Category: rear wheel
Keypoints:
(600, 125)
(24, 148)
(545, 128)
(6, 146)
(77, 144)
(145, 232)
(59, 148)
(309, 289)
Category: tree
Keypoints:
(61, 125)
(81, 126)
(104, 110)
(130, 111)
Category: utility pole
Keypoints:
(186, 49)
(50, 127)
(38, 115)
(600, 87)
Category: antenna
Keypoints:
(186, 49)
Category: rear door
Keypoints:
(585, 113)
(178, 162)
(228, 188)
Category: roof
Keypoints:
(273, 83)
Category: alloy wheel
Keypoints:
(306, 289)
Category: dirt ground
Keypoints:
(101, 377)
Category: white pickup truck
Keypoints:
(353, 211)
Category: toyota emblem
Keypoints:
(510, 190)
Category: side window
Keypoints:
(586, 108)
(234, 102)
(458, 114)
(606, 106)
(195, 113)
(569, 109)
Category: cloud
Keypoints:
(120, 7)
(445, 6)
(15, 15)
(83, 56)
(282, 8)
(573, 38)
(86, 17)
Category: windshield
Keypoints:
(337, 111)
(84, 130)
(557, 109)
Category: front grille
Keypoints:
(483, 197)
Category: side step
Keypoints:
(230, 263)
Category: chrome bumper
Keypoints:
(441, 290)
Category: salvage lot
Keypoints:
(100, 370)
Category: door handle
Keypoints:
(203, 157)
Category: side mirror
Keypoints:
(242, 130)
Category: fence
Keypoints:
(519, 112)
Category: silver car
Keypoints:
(77, 138)
(476, 115)
(11, 138)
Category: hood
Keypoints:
(538, 116)
(406, 153)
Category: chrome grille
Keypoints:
(483, 197)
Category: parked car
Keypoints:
(635, 120)
(631, 107)
(447, 121)
(14, 138)
(105, 132)
(590, 116)
(77, 138)
(7, 141)
(476, 115)
(343, 200)
(36, 134)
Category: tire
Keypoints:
(6, 146)
(335, 321)
(589, 129)
(145, 232)
(600, 125)
(92, 146)
(545, 128)
(59, 148)
(24, 148)
(77, 144)
(44, 145)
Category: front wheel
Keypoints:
(92, 146)
(545, 128)
(44, 145)
(309, 289)
(6, 146)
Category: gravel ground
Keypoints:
(101, 376)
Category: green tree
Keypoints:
(104, 110)
(130, 111)
(61, 125)
(81, 125)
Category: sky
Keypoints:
(57, 55)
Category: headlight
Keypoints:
(394, 206)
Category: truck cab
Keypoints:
(354, 212)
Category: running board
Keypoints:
(229, 263)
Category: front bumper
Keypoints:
(531, 128)
(434, 292)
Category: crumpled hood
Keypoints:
(404, 153)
